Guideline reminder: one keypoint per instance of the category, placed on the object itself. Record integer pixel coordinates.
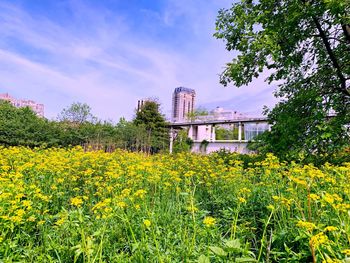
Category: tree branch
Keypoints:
(346, 30)
(332, 57)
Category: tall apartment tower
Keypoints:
(183, 104)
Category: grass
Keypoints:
(60, 205)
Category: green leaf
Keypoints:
(235, 244)
(203, 259)
(218, 251)
(245, 260)
(135, 246)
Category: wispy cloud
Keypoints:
(101, 58)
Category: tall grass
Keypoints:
(61, 205)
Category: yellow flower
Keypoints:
(307, 225)
(121, 204)
(330, 228)
(60, 221)
(329, 260)
(346, 252)
(125, 192)
(41, 222)
(209, 221)
(242, 200)
(318, 240)
(140, 193)
(60, 180)
(76, 201)
(31, 219)
(314, 197)
(270, 207)
(328, 198)
(147, 223)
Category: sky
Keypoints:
(110, 53)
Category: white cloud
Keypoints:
(111, 65)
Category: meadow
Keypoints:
(59, 205)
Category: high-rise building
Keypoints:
(142, 102)
(183, 104)
(36, 107)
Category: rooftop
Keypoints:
(183, 89)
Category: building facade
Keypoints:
(183, 104)
(38, 108)
(140, 104)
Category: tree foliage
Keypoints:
(305, 44)
(21, 126)
(77, 113)
(153, 122)
(182, 142)
(200, 111)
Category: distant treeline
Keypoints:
(76, 125)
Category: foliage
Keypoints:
(153, 122)
(77, 113)
(67, 205)
(200, 111)
(223, 133)
(23, 127)
(182, 143)
(203, 146)
(304, 45)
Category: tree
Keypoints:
(306, 45)
(77, 113)
(182, 142)
(150, 118)
(193, 115)
(21, 126)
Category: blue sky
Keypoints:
(110, 53)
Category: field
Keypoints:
(61, 205)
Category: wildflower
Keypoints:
(121, 204)
(76, 201)
(140, 193)
(209, 221)
(329, 260)
(314, 197)
(60, 221)
(60, 180)
(242, 200)
(27, 203)
(245, 190)
(330, 228)
(318, 240)
(270, 207)
(346, 252)
(125, 192)
(31, 219)
(147, 223)
(307, 225)
(328, 198)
